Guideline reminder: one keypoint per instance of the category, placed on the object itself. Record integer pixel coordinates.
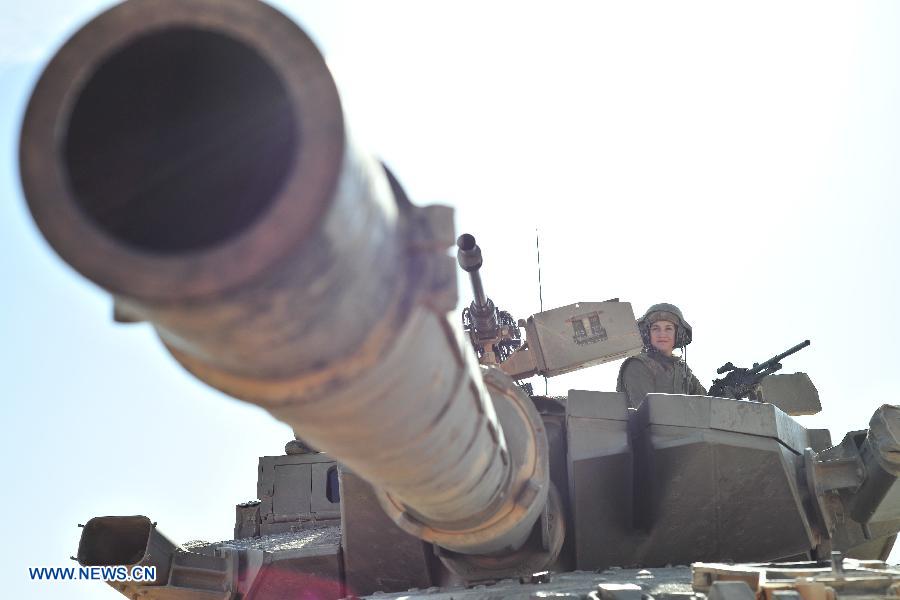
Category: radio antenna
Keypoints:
(537, 242)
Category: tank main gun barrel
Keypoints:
(191, 157)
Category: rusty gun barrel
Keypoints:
(191, 157)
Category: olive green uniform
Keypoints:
(656, 373)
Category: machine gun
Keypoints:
(740, 383)
(493, 332)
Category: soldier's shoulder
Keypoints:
(636, 362)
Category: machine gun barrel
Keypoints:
(191, 157)
(469, 258)
(482, 309)
(777, 359)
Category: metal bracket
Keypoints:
(825, 477)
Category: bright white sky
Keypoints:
(740, 161)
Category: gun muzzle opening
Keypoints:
(466, 242)
(174, 150)
(469, 254)
(158, 161)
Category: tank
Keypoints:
(192, 158)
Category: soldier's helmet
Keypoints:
(665, 312)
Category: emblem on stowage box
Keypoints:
(587, 328)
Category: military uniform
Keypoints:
(652, 372)
(656, 373)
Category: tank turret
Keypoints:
(192, 158)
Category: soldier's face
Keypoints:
(662, 336)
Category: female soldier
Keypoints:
(655, 369)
